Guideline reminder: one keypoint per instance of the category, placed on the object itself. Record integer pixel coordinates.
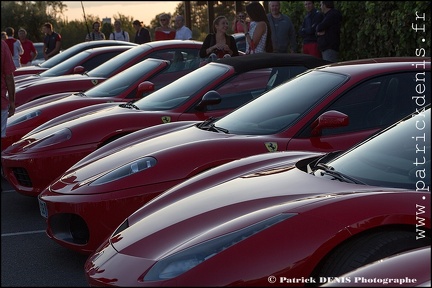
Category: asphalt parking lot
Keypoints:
(28, 257)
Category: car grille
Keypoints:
(22, 177)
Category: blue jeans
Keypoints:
(330, 55)
(4, 116)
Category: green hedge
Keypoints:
(376, 28)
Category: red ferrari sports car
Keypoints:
(126, 86)
(407, 269)
(82, 82)
(283, 219)
(77, 64)
(351, 102)
(68, 53)
(231, 83)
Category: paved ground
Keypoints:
(28, 256)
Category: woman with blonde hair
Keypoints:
(219, 44)
(164, 32)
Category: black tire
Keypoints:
(368, 248)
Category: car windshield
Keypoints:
(122, 81)
(282, 106)
(399, 157)
(63, 56)
(182, 89)
(104, 70)
(63, 67)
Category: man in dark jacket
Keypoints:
(142, 34)
(307, 30)
(328, 32)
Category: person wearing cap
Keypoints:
(182, 32)
(142, 34)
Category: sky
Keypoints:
(144, 11)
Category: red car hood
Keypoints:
(242, 201)
(99, 162)
(75, 117)
(62, 79)
(44, 100)
(25, 80)
(27, 93)
(29, 70)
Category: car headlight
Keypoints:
(179, 263)
(126, 170)
(52, 139)
(23, 118)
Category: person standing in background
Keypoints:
(182, 32)
(96, 34)
(164, 32)
(118, 33)
(52, 41)
(142, 34)
(237, 25)
(328, 32)
(258, 35)
(7, 86)
(307, 30)
(30, 52)
(3, 35)
(15, 46)
(283, 32)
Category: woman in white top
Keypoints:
(258, 32)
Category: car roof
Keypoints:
(108, 48)
(171, 42)
(104, 43)
(267, 60)
(384, 64)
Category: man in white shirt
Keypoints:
(15, 46)
(182, 32)
(118, 33)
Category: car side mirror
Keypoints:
(145, 87)
(212, 97)
(329, 119)
(78, 70)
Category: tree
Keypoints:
(31, 15)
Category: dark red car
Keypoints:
(352, 101)
(77, 64)
(285, 219)
(82, 82)
(212, 90)
(68, 53)
(124, 87)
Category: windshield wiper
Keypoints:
(328, 170)
(206, 123)
(129, 105)
(218, 129)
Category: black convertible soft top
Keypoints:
(266, 60)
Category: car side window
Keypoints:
(252, 84)
(99, 59)
(378, 102)
(181, 59)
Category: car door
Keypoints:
(371, 106)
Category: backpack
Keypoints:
(11, 42)
(124, 37)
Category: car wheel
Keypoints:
(368, 248)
